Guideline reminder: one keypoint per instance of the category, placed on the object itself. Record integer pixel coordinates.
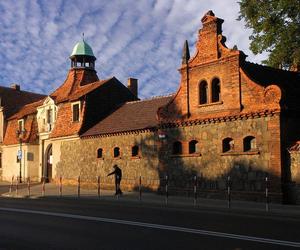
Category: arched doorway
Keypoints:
(47, 173)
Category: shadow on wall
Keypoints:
(247, 174)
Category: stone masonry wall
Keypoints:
(247, 169)
(80, 158)
(295, 166)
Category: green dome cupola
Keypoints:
(82, 56)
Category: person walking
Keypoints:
(118, 177)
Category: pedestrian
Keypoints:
(118, 177)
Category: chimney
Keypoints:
(132, 85)
(15, 86)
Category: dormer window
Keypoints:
(50, 116)
(21, 125)
(75, 111)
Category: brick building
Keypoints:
(228, 117)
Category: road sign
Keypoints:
(19, 154)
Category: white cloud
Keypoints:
(130, 38)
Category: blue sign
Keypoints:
(19, 154)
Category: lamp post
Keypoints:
(20, 133)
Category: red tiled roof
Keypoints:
(130, 116)
(266, 75)
(28, 109)
(76, 79)
(13, 100)
(83, 90)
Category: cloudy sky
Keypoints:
(130, 38)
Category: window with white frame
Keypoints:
(76, 111)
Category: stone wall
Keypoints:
(79, 157)
(247, 169)
(295, 166)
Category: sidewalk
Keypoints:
(71, 192)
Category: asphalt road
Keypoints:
(99, 224)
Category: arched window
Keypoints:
(228, 145)
(135, 151)
(116, 152)
(249, 143)
(215, 90)
(99, 153)
(193, 146)
(177, 148)
(203, 90)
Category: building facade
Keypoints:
(228, 117)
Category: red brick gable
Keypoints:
(97, 99)
(64, 125)
(244, 87)
(30, 126)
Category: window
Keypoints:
(249, 143)
(21, 125)
(99, 153)
(116, 152)
(49, 116)
(228, 145)
(215, 90)
(193, 146)
(76, 108)
(135, 151)
(177, 148)
(203, 89)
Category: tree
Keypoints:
(276, 29)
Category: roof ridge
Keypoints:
(151, 98)
(24, 91)
(271, 68)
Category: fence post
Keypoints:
(140, 188)
(98, 186)
(11, 184)
(78, 187)
(43, 186)
(28, 186)
(118, 187)
(17, 186)
(267, 193)
(229, 191)
(166, 189)
(60, 186)
(195, 190)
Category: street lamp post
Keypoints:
(20, 133)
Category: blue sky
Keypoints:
(130, 38)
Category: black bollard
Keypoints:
(98, 186)
(267, 193)
(229, 191)
(195, 190)
(140, 188)
(60, 186)
(78, 187)
(166, 189)
(28, 186)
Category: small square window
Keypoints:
(135, 151)
(116, 152)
